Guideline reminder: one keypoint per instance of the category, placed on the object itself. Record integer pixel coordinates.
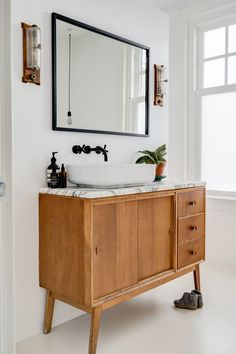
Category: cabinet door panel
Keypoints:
(155, 236)
(115, 247)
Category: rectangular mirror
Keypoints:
(100, 81)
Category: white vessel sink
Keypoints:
(108, 175)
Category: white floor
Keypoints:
(149, 324)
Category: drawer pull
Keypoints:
(194, 227)
(193, 252)
(193, 203)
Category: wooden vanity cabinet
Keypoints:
(95, 253)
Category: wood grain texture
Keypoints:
(191, 252)
(114, 247)
(175, 234)
(94, 329)
(88, 252)
(62, 251)
(72, 302)
(191, 202)
(191, 227)
(196, 276)
(155, 236)
(132, 197)
(49, 308)
(141, 287)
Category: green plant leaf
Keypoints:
(150, 154)
(144, 159)
(160, 152)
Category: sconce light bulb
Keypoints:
(33, 47)
(69, 118)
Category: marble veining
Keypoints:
(82, 192)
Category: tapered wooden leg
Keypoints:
(49, 307)
(94, 329)
(196, 275)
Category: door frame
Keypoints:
(7, 308)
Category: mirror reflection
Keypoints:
(101, 82)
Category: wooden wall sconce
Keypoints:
(31, 53)
(159, 84)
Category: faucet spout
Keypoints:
(99, 149)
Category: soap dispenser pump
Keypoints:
(51, 167)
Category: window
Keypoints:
(216, 97)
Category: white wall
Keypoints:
(34, 140)
(221, 226)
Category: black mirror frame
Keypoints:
(55, 17)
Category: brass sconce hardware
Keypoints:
(159, 84)
(31, 53)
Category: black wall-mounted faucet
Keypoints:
(77, 149)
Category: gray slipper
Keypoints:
(187, 301)
(199, 298)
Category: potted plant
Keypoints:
(155, 157)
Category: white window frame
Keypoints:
(196, 92)
(201, 60)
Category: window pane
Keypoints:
(214, 42)
(214, 73)
(218, 141)
(232, 39)
(232, 70)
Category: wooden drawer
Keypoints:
(190, 202)
(191, 252)
(191, 227)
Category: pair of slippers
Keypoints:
(190, 301)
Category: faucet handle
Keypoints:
(77, 149)
(87, 149)
(105, 148)
(98, 149)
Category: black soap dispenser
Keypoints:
(51, 167)
(54, 179)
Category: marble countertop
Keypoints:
(82, 192)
